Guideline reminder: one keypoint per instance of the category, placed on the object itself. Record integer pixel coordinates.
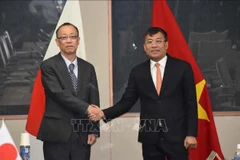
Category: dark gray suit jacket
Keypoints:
(64, 107)
(176, 104)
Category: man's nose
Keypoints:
(69, 39)
(154, 44)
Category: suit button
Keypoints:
(158, 101)
(161, 139)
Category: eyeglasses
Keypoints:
(158, 41)
(66, 37)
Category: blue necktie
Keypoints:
(73, 77)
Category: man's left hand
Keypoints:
(190, 142)
(92, 138)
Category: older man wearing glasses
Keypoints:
(70, 86)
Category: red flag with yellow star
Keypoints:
(207, 136)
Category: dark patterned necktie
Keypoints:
(73, 77)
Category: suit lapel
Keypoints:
(81, 73)
(168, 71)
(63, 69)
(148, 81)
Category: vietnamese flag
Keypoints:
(207, 136)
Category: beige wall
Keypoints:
(123, 144)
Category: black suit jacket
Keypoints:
(64, 107)
(176, 105)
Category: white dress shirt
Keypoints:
(75, 70)
(153, 69)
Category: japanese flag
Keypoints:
(8, 150)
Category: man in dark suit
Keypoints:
(70, 86)
(166, 88)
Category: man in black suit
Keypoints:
(70, 86)
(166, 88)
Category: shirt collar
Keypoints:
(162, 62)
(69, 62)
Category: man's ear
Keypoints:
(144, 47)
(166, 44)
(56, 40)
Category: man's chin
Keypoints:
(156, 58)
(70, 51)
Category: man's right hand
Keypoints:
(95, 113)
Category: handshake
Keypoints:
(95, 113)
